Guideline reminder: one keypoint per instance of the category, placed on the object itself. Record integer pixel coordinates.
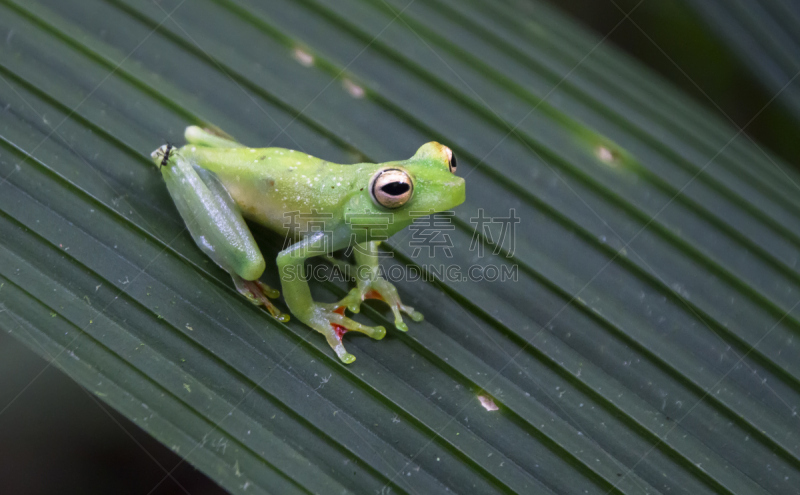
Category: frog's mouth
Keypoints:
(457, 188)
(448, 195)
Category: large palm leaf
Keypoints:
(646, 345)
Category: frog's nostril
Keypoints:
(457, 182)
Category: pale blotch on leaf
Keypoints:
(606, 155)
(353, 89)
(302, 56)
(488, 403)
(602, 148)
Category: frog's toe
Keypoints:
(267, 290)
(378, 332)
(259, 294)
(398, 309)
(386, 292)
(335, 341)
(414, 315)
(346, 324)
(352, 302)
(346, 357)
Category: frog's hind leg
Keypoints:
(211, 137)
(216, 225)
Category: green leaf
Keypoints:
(646, 343)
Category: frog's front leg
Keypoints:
(327, 319)
(371, 285)
(216, 225)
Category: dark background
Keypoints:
(668, 37)
(55, 437)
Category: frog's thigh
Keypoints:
(213, 219)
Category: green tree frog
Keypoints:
(216, 182)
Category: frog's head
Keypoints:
(425, 183)
(429, 175)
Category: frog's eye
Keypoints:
(451, 159)
(391, 188)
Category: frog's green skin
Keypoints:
(214, 181)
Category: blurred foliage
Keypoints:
(55, 434)
(671, 38)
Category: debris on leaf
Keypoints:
(488, 403)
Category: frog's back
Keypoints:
(285, 190)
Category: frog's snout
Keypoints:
(458, 186)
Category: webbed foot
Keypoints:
(379, 288)
(259, 294)
(329, 320)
